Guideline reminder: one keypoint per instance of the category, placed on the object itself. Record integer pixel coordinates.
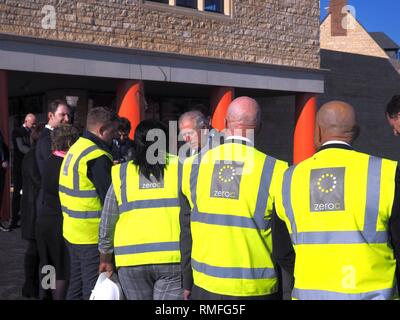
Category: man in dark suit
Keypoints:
(3, 167)
(58, 113)
(393, 114)
(21, 145)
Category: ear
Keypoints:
(49, 115)
(102, 129)
(317, 136)
(356, 133)
(259, 127)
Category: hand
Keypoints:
(106, 267)
(186, 294)
(116, 162)
(4, 164)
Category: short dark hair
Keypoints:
(393, 107)
(124, 125)
(63, 137)
(53, 105)
(100, 115)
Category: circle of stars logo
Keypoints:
(226, 174)
(327, 183)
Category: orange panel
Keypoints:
(129, 99)
(220, 99)
(306, 107)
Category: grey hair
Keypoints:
(196, 116)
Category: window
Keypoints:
(187, 3)
(214, 5)
(217, 6)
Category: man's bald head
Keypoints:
(243, 113)
(336, 120)
(30, 120)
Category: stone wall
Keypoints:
(356, 41)
(368, 83)
(282, 32)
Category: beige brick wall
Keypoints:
(282, 32)
(357, 41)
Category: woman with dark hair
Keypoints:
(52, 248)
(140, 220)
(30, 191)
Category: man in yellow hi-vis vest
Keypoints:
(85, 177)
(341, 210)
(226, 203)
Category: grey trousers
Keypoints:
(84, 270)
(151, 282)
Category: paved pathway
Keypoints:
(12, 250)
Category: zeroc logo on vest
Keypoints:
(225, 181)
(327, 189)
(145, 183)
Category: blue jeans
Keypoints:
(84, 270)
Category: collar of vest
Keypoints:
(335, 146)
(239, 141)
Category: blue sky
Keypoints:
(375, 15)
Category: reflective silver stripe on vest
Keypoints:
(385, 294)
(148, 247)
(78, 193)
(76, 165)
(223, 219)
(148, 204)
(180, 168)
(287, 201)
(339, 237)
(234, 273)
(194, 175)
(367, 235)
(81, 214)
(263, 192)
(122, 175)
(373, 196)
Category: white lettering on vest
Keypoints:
(224, 194)
(326, 206)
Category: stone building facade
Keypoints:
(281, 32)
(361, 73)
(121, 53)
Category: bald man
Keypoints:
(21, 146)
(227, 200)
(339, 210)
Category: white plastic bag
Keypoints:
(106, 288)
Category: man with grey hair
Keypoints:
(192, 128)
(227, 198)
(21, 146)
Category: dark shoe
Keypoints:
(4, 228)
(15, 226)
(29, 294)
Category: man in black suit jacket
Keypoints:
(3, 167)
(58, 113)
(21, 146)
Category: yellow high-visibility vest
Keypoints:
(337, 205)
(147, 231)
(81, 205)
(231, 190)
